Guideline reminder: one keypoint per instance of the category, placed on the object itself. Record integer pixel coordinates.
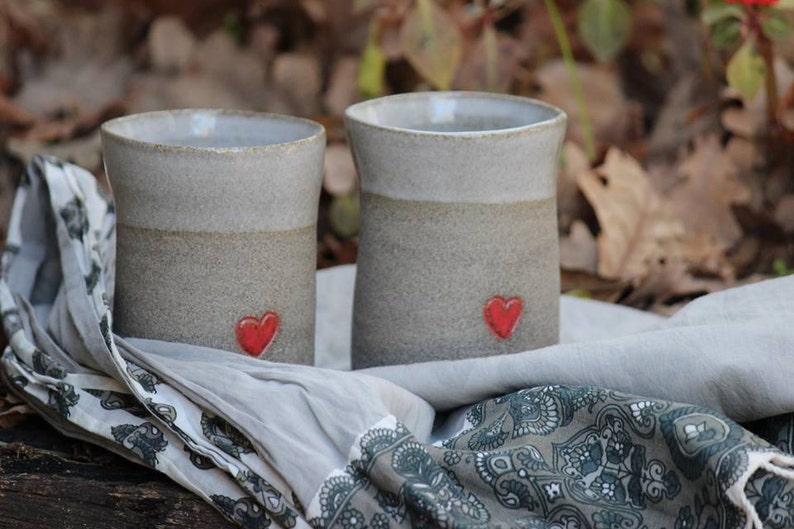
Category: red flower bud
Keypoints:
(753, 2)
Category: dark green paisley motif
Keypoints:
(612, 520)
(489, 438)
(164, 412)
(245, 512)
(113, 400)
(605, 465)
(75, 219)
(104, 329)
(694, 435)
(199, 461)
(377, 441)
(559, 457)
(146, 379)
(19, 381)
(392, 504)
(144, 440)
(379, 521)
(773, 499)
(430, 492)
(43, 364)
(62, 398)
(92, 279)
(270, 498)
(225, 436)
(334, 494)
(511, 474)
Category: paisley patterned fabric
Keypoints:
(281, 446)
(565, 457)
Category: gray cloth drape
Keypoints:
(529, 440)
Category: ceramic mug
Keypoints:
(458, 252)
(216, 230)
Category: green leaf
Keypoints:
(371, 68)
(780, 268)
(785, 4)
(776, 27)
(432, 43)
(345, 215)
(719, 12)
(725, 33)
(604, 27)
(746, 70)
(362, 5)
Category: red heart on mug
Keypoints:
(254, 335)
(502, 315)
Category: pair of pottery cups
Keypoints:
(458, 255)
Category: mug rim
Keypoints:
(354, 112)
(106, 130)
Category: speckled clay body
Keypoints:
(458, 251)
(217, 215)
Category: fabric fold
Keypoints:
(632, 431)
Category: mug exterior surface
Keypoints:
(216, 230)
(458, 253)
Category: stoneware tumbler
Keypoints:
(458, 252)
(216, 231)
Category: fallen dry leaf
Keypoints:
(704, 197)
(432, 43)
(85, 152)
(608, 109)
(297, 81)
(579, 250)
(638, 226)
(473, 73)
(748, 158)
(339, 177)
(88, 69)
(571, 204)
(262, 40)
(170, 44)
(12, 410)
(218, 57)
(14, 415)
(667, 281)
(784, 213)
(688, 111)
(71, 126)
(12, 115)
(705, 255)
(220, 74)
(342, 86)
(610, 290)
(749, 119)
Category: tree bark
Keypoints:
(47, 480)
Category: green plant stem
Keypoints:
(766, 51)
(567, 56)
(772, 99)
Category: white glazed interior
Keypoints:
(453, 112)
(211, 129)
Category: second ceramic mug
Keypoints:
(458, 252)
(216, 230)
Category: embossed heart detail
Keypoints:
(502, 315)
(255, 335)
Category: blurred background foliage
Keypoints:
(676, 178)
